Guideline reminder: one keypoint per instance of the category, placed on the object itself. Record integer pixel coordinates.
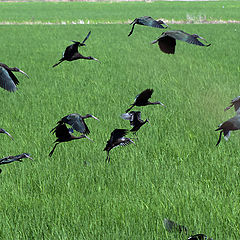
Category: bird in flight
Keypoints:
(142, 99)
(71, 53)
(117, 139)
(147, 21)
(167, 41)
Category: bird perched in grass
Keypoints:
(167, 41)
(147, 21)
(5, 132)
(11, 159)
(71, 53)
(135, 120)
(117, 139)
(63, 135)
(77, 122)
(142, 99)
(8, 80)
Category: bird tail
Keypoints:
(57, 63)
(51, 153)
(132, 105)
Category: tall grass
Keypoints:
(173, 171)
(117, 12)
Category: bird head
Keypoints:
(95, 59)
(78, 43)
(19, 70)
(197, 36)
(26, 155)
(4, 131)
(89, 115)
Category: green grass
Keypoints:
(173, 171)
(117, 12)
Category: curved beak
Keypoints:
(95, 59)
(4, 131)
(30, 157)
(95, 118)
(23, 73)
(88, 138)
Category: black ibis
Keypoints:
(8, 80)
(135, 120)
(63, 134)
(77, 122)
(172, 226)
(232, 124)
(147, 21)
(142, 99)
(199, 237)
(117, 139)
(167, 41)
(5, 132)
(71, 53)
(236, 103)
(10, 159)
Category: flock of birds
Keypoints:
(167, 43)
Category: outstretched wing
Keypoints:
(167, 44)
(144, 96)
(86, 37)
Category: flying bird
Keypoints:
(199, 237)
(172, 226)
(232, 124)
(11, 159)
(236, 103)
(64, 135)
(142, 99)
(135, 120)
(167, 41)
(71, 53)
(147, 21)
(117, 139)
(5, 132)
(77, 122)
(8, 80)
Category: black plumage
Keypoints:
(135, 120)
(147, 21)
(8, 80)
(77, 122)
(142, 99)
(11, 159)
(199, 237)
(167, 40)
(71, 53)
(171, 226)
(117, 139)
(63, 135)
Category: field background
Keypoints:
(174, 171)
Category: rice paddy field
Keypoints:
(173, 171)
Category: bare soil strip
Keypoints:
(116, 22)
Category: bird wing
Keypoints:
(167, 44)
(62, 131)
(144, 96)
(86, 37)
(236, 103)
(118, 133)
(8, 80)
(76, 121)
(127, 116)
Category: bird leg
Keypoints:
(51, 153)
(132, 105)
(219, 139)
(57, 63)
(108, 157)
(134, 22)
